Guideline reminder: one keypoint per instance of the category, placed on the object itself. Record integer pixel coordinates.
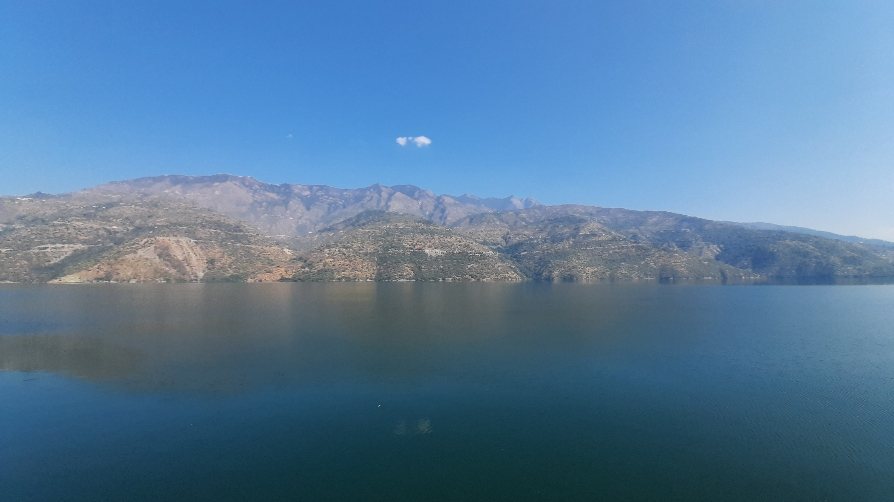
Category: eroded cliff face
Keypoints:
(115, 238)
(166, 258)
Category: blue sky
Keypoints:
(739, 110)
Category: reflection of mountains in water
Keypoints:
(228, 339)
(421, 426)
(75, 356)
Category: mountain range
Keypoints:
(231, 228)
(292, 211)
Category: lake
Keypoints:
(438, 391)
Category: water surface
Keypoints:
(418, 391)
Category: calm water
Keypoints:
(446, 392)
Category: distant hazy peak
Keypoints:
(174, 180)
(497, 204)
(294, 210)
(810, 231)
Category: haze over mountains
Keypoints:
(230, 228)
(290, 210)
(818, 233)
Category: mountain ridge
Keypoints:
(292, 211)
(759, 225)
(230, 228)
(490, 203)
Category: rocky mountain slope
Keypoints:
(114, 238)
(563, 244)
(818, 233)
(293, 211)
(375, 245)
(568, 235)
(226, 228)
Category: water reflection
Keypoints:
(75, 356)
(422, 426)
(446, 392)
(225, 339)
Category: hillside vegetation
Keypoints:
(385, 246)
(613, 243)
(226, 228)
(88, 238)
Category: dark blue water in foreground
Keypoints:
(446, 392)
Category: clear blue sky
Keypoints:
(741, 110)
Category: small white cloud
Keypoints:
(289, 136)
(420, 141)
